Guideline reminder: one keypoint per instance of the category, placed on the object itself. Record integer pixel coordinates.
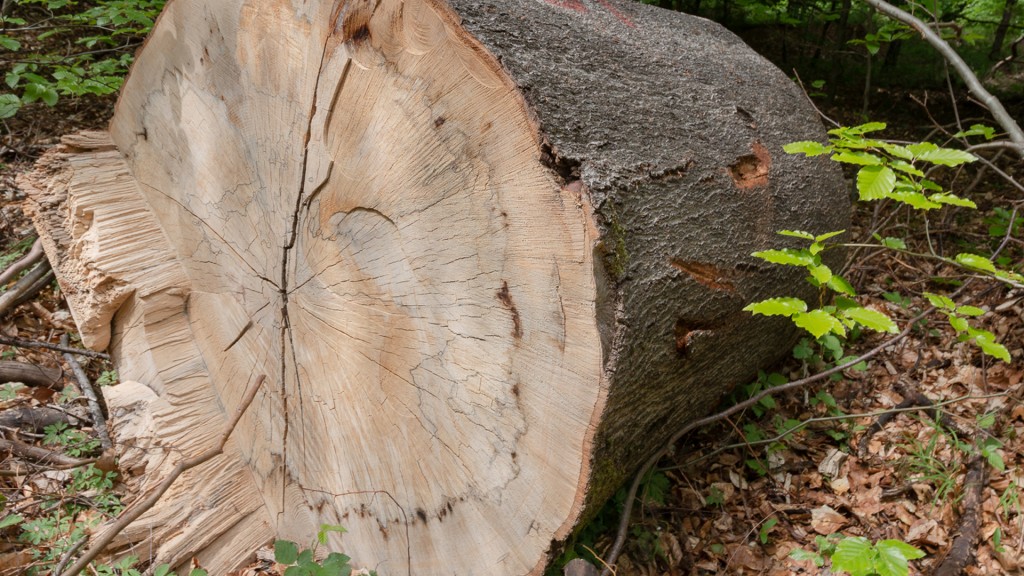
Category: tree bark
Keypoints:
(489, 254)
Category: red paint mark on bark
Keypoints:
(622, 17)
(578, 6)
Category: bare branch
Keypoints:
(966, 74)
(98, 421)
(33, 344)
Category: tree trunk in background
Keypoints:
(1000, 36)
(489, 255)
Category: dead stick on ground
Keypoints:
(41, 455)
(960, 552)
(98, 420)
(31, 344)
(34, 255)
(26, 287)
(627, 508)
(133, 513)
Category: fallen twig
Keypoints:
(33, 344)
(32, 257)
(963, 545)
(31, 374)
(133, 513)
(41, 455)
(26, 287)
(36, 417)
(98, 420)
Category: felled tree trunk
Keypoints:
(489, 255)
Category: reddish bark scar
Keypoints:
(751, 170)
(706, 274)
(506, 300)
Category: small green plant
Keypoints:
(958, 315)
(857, 556)
(893, 172)
(766, 529)
(715, 497)
(74, 442)
(107, 378)
(303, 562)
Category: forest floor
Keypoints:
(736, 498)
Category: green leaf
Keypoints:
(906, 168)
(976, 262)
(970, 311)
(839, 284)
(796, 234)
(9, 43)
(196, 572)
(162, 570)
(985, 421)
(894, 243)
(915, 199)
(786, 256)
(321, 534)
(821, 273)
(777, 307)
(858, 158)
(800, 554)
(865, 128)
(854, 555)
(959, 324)
(766, 528)
(940, 301)
(893, 556)
(9, 105)
(285, 552)
(10, 520)
(807, 147)
(977, 130)
(952, 200)
(49, 96)
(987, 342)
(872, 319)
(899, 152)
(875, 182)
(920, 148)
(990, 449)
(819, 323)
(828, 235)
(947, 157)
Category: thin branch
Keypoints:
(46, 345)
(41, 455)
(99, 422)
(993, 104)
(133, 513)
(26, 287)
(34, 255)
